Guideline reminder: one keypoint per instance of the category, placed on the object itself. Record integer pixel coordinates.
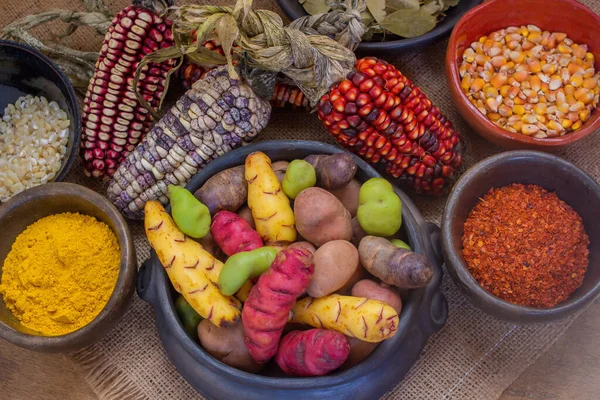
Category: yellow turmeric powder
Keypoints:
(60, 273)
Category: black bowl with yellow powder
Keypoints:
(67, 268)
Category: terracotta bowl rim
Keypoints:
(472, 112)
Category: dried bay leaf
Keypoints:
(402, 4)
(377, 9)
(434, 7)
(315, 6)
(409, 23)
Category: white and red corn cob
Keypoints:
(113, 119)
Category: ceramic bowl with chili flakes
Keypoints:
(524, 73)
(519, 292)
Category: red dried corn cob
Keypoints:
(113, 119)
(192, 72)
(380, 115)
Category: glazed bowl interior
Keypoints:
(568, 16)
(571, 185)
(294, 10)
(54, 198)
(23, 71)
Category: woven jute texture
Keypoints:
(474, 357)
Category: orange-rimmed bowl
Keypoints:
(569, 16)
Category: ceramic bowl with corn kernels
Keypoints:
(525, 74)
(39, 120)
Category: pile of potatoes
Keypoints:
(349, 228)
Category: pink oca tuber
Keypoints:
(267, 308)
(233, 234)
(315, 352)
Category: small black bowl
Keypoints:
(554, 174)
(294, 10)
(24, 70)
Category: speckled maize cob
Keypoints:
(215, 116)
(113, 119)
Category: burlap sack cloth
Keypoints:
(474, 356)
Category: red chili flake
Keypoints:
(526, 246)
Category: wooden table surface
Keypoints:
(568, 371)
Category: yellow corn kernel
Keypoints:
(517, 56)
(553, 125)
(513, 92)
(521, 76)
(490, 91)
(498, 61)
(535, 66)
(529, 119)
(564, 49)
(589, 83)
(584, 115)
(589, 57)
(587, 65)
(481, 59)
(505, 111)
(545, 87)
(513, 44)
(482, 39)
(571, 99)
(559, 36)
(580, 92)
(578, 106)
(469, 55)
(503, 89)
(575, 69)
(579, 51)
(526, 46)
(555, 82)
(565, 75)
(466, 82)
(540, 108)
(576, 125)
(569, 89)
(566, 123)
(499, 80)
(530, 129)
(494, 116)
(491, 104)
(549, 69)
(563, 108)
(535, 37)
(589, 73)
(524, 31)
(535, 83)
(576, 80)
(519, 101)
(517, 126)
(518, 109)
(587, 98)
(477, 85)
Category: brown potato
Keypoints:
(360, 274)
(306, 245)
(227, 190)
(357, 232)
(321, 217)
(335, 263)
(348, 195)
(280, 167)
(393, 265)
(246, 213)
(359, 350)
(378, 291)
(227, 345)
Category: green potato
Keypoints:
(191, 216)
(400, 243)
(245, 265)
(379, 208)
(299, 175)
(188, 316)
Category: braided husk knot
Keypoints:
(343, 22)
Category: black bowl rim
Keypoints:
(71, 97)
(122, 293)
(399, 44)
(459, 271)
